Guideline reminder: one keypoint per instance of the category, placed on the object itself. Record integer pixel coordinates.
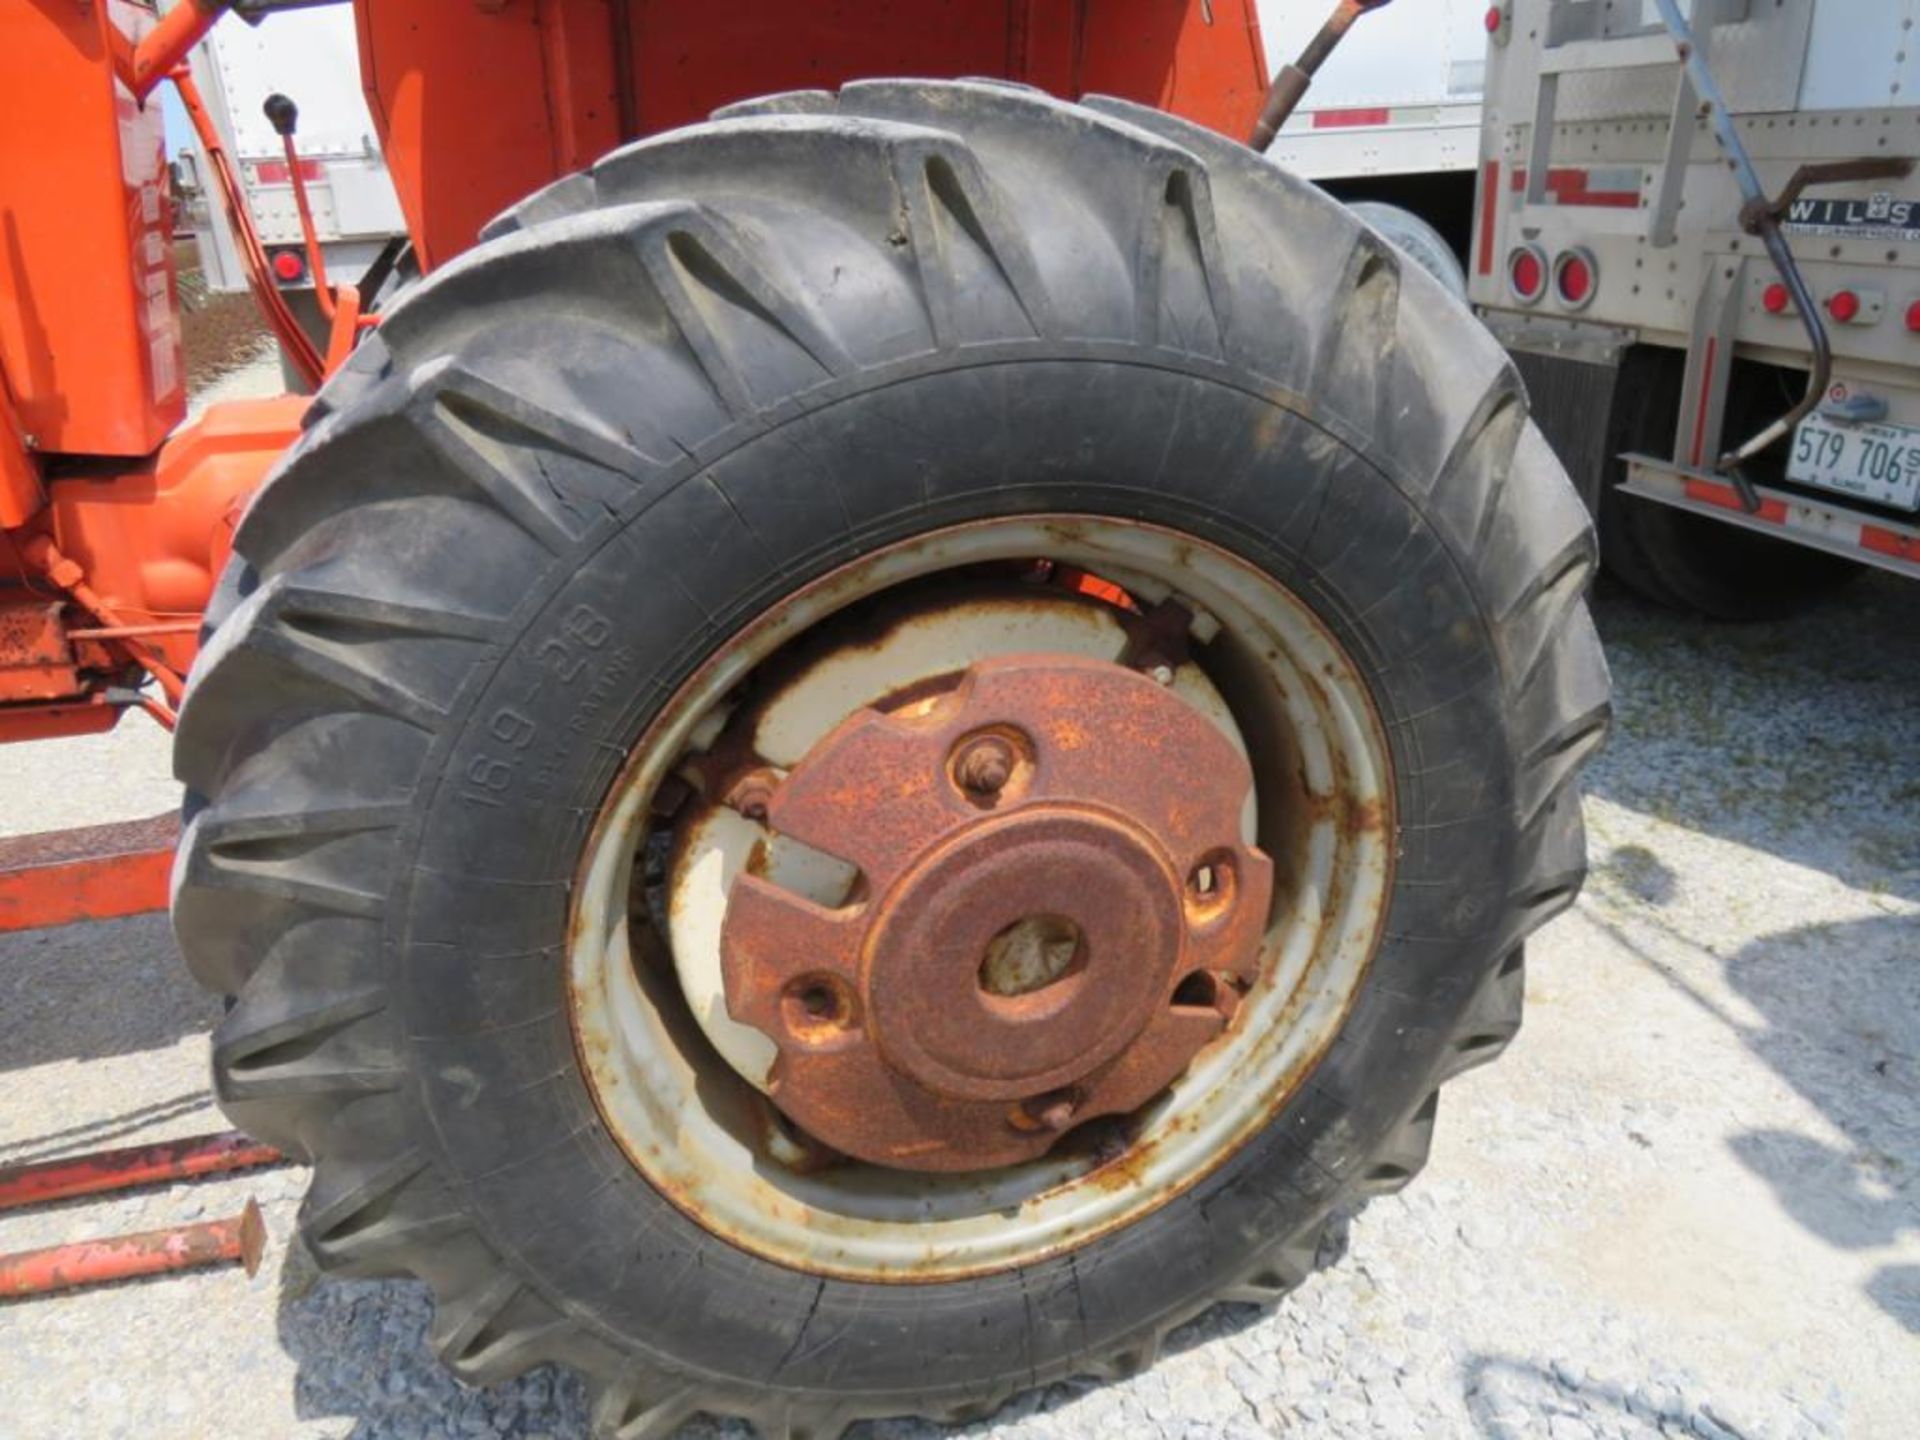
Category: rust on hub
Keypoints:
(1056, 913)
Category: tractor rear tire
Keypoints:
(673, 390)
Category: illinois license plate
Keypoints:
(1872, 461)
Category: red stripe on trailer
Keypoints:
(1706, 390)
(1489, 206)
(276, 172)
(1711, 492)
(1567, 184)
(1345, 119)
(1809, 519)
(1890, 542)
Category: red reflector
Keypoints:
(1494, 20)
(1574, 278)
(1774, 298)
(1843, 305)
(1913, 316)
(289, 266)
(1527, 272)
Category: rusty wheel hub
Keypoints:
(1057, 910)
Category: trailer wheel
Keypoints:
(1685, 561)
(820, 736)
(1419, 242)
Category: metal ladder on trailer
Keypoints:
(1585, 36)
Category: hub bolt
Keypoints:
(984, 765)
(1052, 1111)
(753, 791)
(1161, 674)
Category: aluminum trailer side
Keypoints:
(1610, 258)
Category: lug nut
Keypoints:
(1053, 1111)
(984, 766)
(1056, 1115)
(1161, 674)
(753, 792)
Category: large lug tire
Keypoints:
(666, 393)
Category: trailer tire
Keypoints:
(1418, 241)
(1684, 561)
(670, 391)
(1708, 568)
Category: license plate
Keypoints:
(1874, 462)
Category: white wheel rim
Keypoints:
(665, 1094)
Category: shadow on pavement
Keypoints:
(1897, 1289)
(109, 1130)
(1794, 740)
(87, 991)
(1834, 998)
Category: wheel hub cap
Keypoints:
(1056, 911)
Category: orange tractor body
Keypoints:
(115, 519)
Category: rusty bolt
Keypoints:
(753, 791)
(1052, 1111)
(984, 766)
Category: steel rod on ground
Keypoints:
(96, 872)
(49, 1180)
(124, 1257)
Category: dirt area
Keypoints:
(1684, 1203)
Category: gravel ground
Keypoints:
(220, 331)
(1685, 1203)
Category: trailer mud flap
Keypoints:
(1572, 375)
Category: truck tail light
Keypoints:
(1843, 305)
(288, 267)
(1527, 272)
(1576, 275)
(1775, 299)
